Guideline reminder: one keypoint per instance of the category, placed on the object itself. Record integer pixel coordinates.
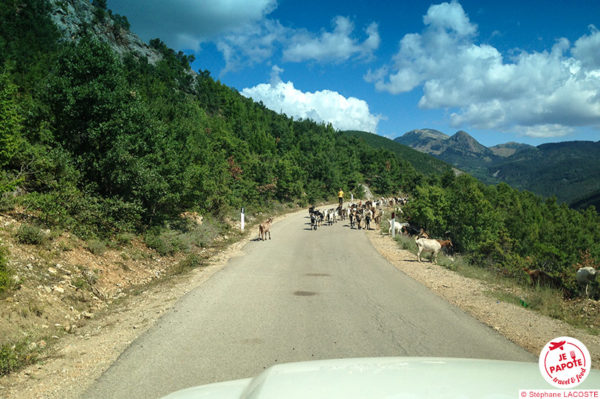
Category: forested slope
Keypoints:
(99, 143)
(423, 163)
(570, 171)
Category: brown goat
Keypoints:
(265, 228)
(447, 246)
(540, 277)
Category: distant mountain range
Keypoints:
(568, 170)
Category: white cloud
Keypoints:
(256, 42)
(336, 46)
(250, 44)
(544, 131)
(187, 23)
(321, 106)
(541, 94)
(587, 49)
(449, 16)
(242, 32)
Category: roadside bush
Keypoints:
(29, 234)
(406, 242)
(548, 301)
(165, 242)
(85, 215)
(7, 203)
(97, 247)
(189, 262)
(5, 280)
(202, 236)
(14, 356)
(79, 283)
(123, 239)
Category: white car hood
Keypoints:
(393, 377)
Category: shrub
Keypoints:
(165, 242)
(5, 280)
(547, 301)
(29, 234)
(97, 247)
(189, 262)
(202, 236)
(406, 242)
(7, 203)
(123, 239)
(14, 356)
(80, 283)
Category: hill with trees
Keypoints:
(423, 163)
(101, 141)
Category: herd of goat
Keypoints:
(363, 215)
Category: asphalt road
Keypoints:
(303, 295)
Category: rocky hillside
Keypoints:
(74, 18)
(425, 140)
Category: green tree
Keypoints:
(11, 126)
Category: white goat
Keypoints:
(426, 244)
(586, 276)
(331, 216)
(397, 226)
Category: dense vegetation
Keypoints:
(507, 230)
(102, 145)
(570, 171)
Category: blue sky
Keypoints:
(525, 71)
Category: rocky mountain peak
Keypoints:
(466, 143)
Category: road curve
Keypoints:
(304, 295)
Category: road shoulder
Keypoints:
(522, 326)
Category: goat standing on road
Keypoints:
(314, 221)
(368, 217)
(265, 228)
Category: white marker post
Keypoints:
(242, 220)
(393, 223)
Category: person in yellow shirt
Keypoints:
(341, 197)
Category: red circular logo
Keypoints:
(565, 362)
